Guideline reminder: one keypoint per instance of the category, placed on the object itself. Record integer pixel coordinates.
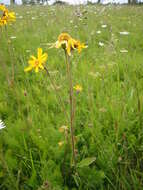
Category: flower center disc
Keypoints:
(36, 62)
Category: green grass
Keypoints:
(109, 113)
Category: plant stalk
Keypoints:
(10, 54)
(71, 99)
(59, 97)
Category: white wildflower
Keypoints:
(101, 44)
(13, 37)
(124, 33)
(2, 125)
(21, 17)
(123, 51)
(98, 32)
(104, 26)
(27, 50)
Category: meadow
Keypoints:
(109, 110)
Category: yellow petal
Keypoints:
(79, 49)
(39, 52)
(70, 46)
(33, 57)
(43, 58)
(63, 129)
(11, 16)
(69, 50)
(2, 7)
(41, 67)
(84, 46)
(28, 69)
(31, 62)
(36, 70)
(64, 37)
(60, 143)
(72, 43)
(78, 88)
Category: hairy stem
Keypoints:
(71, 98)
(10, 54)
(59, 97)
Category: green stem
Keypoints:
(9, 51)
(71, 98)
(56, 91)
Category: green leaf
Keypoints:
(86, 162)
(76, 180)
(1, 174)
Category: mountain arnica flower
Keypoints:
(2, 7)
(68, 43)
(7, 16)
(78, 88)
(37, 63)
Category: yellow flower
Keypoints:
(2, 7)
(64, 37)
(3, 20)
(61, 143)
(70, 46)
(63, 40)
(11, 16)
(78, 88)
(68, 43)
(79, 46)
(7, 17)
(63, 128)
(37, 63)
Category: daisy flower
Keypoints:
(38, 62)
(2, 125)
(78, 88)
(66, 42)
(7, 16)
